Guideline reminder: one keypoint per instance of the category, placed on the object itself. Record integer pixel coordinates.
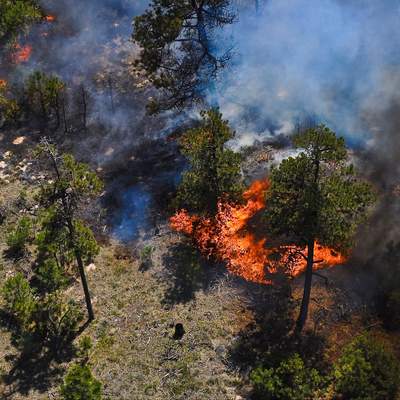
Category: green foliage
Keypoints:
(61, 234)
(64, 236)
(214, 170)
(57, 321)
(18, 237)
(145, 256)
(177, 50)
(52, 238)
(291, 380)
(316, 195)
(16, 15)
(85, 241)
(73, 183)
(50, 318)
(9, 107)
(55, 243)
(367, 370)
(22, 200)
(43, 94)
(80, 384)
(84, 346)
(50, 275)
(19, 300)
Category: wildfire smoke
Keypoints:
(226, 238)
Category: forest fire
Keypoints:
(226, 238)
(50, 18)
(21, 53)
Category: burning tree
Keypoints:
(178, 53)
(316, 196)
(214, 170)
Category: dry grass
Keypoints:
(135, 354)
(136, 306)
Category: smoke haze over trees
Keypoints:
(191, 231)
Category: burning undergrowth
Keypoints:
(226, 238)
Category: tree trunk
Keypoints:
(81, 269)
(307, 288)
(85, 286)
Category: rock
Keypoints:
(91, 267)
(19, 140)
(3, 164)
(4, 176)
(221, 350)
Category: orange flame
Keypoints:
(3, 83)
(21, 53)
(50, 18)
(226, 238)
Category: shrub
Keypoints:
(145, 257)
(57, 321)
(367, 370)
(17, 238)
(19, 299)
(84, 346)
(50, 275)
(80, 384)
(291, 380)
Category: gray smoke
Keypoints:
(324, 59)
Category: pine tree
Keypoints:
(73, 183)
(214, 169)
(178, 52)
(316, 196)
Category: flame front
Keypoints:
(226, 238)
(21, 53)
